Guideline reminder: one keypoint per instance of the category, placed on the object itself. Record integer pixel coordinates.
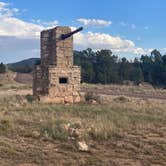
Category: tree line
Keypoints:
(2, 68)
(104, 67)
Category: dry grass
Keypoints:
(126, 90)
(125, 131)
(12, 85)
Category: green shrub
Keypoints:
(54, 130)
(2, 68)
(30, 98)
(5, 125)
(13, 87)
(92, 96)
(122, 99)
(94, 161)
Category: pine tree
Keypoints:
(2, 68)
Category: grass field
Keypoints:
(124, 131)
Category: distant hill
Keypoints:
(25, 66)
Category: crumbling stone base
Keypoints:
(54, 84)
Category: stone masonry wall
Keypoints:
(55, 51)
(57, 65)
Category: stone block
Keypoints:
(68, 99)
(76, 99)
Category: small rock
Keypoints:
(46, 135)
(40, 120)
(16, 105)
(77, 124)
(74, 133)
(35, 134)
(93, 102)
(66, 127)
(82, 146)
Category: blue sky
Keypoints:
(127, 27)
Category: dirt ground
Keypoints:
(123, 132)
(110, 90)
(131, 91)
(128, 150)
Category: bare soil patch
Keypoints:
(123, 131)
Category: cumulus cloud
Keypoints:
(94, 22)
(99, 41)
(12, 26)
(5, 11)
(46, 23)
(20, 39)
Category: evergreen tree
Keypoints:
(2, 68)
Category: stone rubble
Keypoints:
(75, 133)
(82, 146)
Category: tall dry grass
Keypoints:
(100, 122)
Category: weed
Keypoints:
(6, 123)
(89, 96)
(39, 127)
(5, 126)
(122, 99)
(102, 131)
(30, 98)
(94, 161)
(54, 129)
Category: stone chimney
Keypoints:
(56, 79)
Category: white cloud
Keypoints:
(12, 26)
(98, 41)
(20, 39)
(94, 22)
(46, 23)
(5, 11)
(3, 5)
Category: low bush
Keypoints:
(54, 130)
(30, 98)
(122, 99)
(89, 96)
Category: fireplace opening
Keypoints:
(63, 80)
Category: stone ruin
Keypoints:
(56, 79)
